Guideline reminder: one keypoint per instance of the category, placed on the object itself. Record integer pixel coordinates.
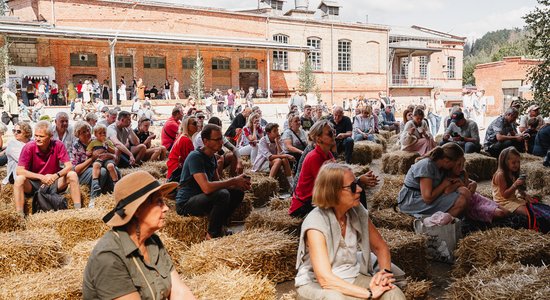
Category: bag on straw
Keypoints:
(442, 239)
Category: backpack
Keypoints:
(46, 199)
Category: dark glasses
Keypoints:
(353, 186)
(193, 123)
(17, 131)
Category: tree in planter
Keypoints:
(197, 80)
(538, 24)
(307, 82)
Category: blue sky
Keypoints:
(469, 18)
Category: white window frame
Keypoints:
(315, 54)
(404, 66)
(423, 66)
(280, 60)
(451, 67)
(344, 55)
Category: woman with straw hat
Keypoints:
(130, 261)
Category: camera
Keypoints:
(526, 136)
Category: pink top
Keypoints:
(43, 163)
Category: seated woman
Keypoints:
(336, 240)
(416, 135)
(182, 147)
(145, 137)
(130, 261)
(252, 133)
(427, 190)
(294, 139)
(363, 125)
(22, 133)
(270, 156)
(407, 116)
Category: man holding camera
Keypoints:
(463, 132)
(502, 133)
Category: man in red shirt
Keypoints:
(170, 129)
(39, 166)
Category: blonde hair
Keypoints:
(250, 121)
(328, 184)
(99, 128)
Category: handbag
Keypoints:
(442, 240)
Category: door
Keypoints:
(248, 79)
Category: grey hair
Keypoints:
(90, 116)
(44, 125)
(79, 126)
(511, 111)
(317, 130)
(338, 108)
(61, 114)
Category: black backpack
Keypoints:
(46, 199)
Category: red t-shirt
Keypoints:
(310, 168)
(43, 163)
(169, 132)
(182, 147)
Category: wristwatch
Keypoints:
(58, 175)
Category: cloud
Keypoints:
(395, 6)
(494, 21)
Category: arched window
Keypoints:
(344, 55)
(315, 54)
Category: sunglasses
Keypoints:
(193, 123)
(353, 186)
(16, 131)
(216, 140)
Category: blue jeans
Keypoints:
(434, 121)
(359, 137)
(346, 146)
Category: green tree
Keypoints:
(306, 79)
(538, 23)
(197, 80)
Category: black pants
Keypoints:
(6, 119)
(497, 147)
(218, 206)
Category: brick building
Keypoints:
(504, 80)
(262, 47)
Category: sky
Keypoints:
(468, 18)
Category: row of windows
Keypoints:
(423, 66)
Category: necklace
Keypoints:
(342, 226)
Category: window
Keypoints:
(276, 4)
(404, 67)
(344, 55)
(280, 60)
(248, 63)
(124, 61)
(83, 60)
(280, 38)
(423, 62)
(189, 63)
(315, 55)
(154, 62)
(334, 11)
(451, 67)
(221, 64)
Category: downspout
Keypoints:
(268, 54)
(331, 63)
(53, 12)
(389, 67)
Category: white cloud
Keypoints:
(397, 6)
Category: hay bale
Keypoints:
(263, 188)
(54, 284)
(187, 229)
(391, 219)
(377, 149)
(10, 220)
(394, 144)
(175, 249)
(3, 172)
(84, 197)
(81, 252)
(526, 157)
(387, 134)
(359, 170)
(485, 188)
(485, 248)
(244, 209)
(538, 176)
(226, 283)
(382, 141)
(438, 139)
(408, 251)
(362, 153)
(503, 281)
(386, 196)
(398, 162)
(274, 219)
(6, 195)
(157, 169)
(267, 252)
(104, 201)
(73, 225)
(277, 203)
(479, 166)
(416, 290)
(30, 251)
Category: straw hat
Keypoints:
(130, 192)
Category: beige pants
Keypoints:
(313, 291)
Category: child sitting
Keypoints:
(270, 157)
(101, 145)
(530, 133)
(480, 208)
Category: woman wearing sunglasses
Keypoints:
(336, 241)
(22, 133)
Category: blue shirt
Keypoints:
(196, 162)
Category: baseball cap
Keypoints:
(457, 116)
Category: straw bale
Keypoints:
(362, 153)
(408, 251)
(479, 166)
(156, 168)
(3, 172)
(284, 185)
(81, 252)
(485, 248)
(187, 229)
(391, 219)
(30, 251)
(6, 195)
(244, 209)
(270, 253)
(485, 188)
(503, 281)
(386, 196)
(526, 157)
(247, 164)
(416, 290)
(127, 171)
(387, 134)
(104, 201)
(382, 141)
(10, 220)
(292, 295)
(274, 219)
(394, 144)
(54, 284)
(359, 170)
(231, 284)
(277, 203)
(438, 139)
(73, 225)
(263, 188)
(398, 162)
(376, 148)
(84, 197)
(538, 176)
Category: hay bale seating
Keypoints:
(386, 196)
(244, 209)
(266, 252)
(84, 197)
(157, 169)
(274, 219)
(187, 229)
(394, 143)
(503, 281)
(391, 219)
(359, 170)
(485, 188)
(231, 284)
(387, 134)
(382, 141)
(73, 225)
(10, 220)
(280, 204)
(479, 166)
(408, 251)
(416, 290)
(104, 201)
(538, 176)
(6, 195)
(30, 251)
(485, 248)
(377, 149)
(398, 162)
(263, 188)
(526, 157)
(362, 153)
(175, 248)
(81, 252)
(63, 283)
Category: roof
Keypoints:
(33, 29)
(423, 33)
(329, 3)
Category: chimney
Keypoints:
(301, 10)
(301, 4)
(330, 9)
